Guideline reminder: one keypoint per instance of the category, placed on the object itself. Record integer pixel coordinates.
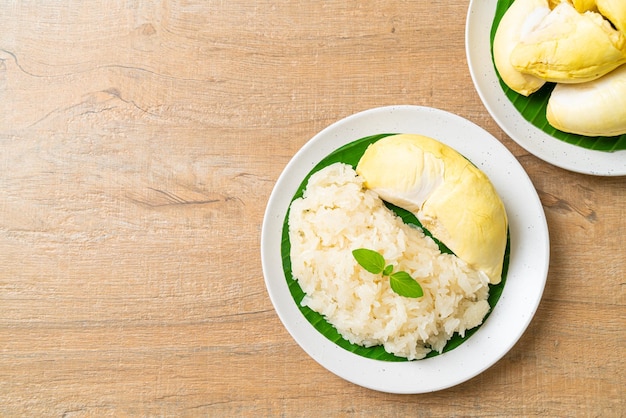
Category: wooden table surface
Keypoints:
(140, 143)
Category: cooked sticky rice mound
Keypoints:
(336, 215)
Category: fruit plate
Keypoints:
(480, 16)
(527, 270)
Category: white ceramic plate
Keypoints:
(561, 154)
(528, 265)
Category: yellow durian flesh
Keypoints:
(570, 47)
(450, 196)
(584, 5)
(519, 18)
(614, 11)
(553, 3)
(596, 108)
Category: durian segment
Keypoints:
(584, 5)
(615, 11)
(554, 3)
(570, 47)
(596, 108)
(450, 196)
(521, 17)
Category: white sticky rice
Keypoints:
(336, 215)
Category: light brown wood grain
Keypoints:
(140, 143)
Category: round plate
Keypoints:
(552, 150)
(528, 264)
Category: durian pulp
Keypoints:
(450, 196)
(596, 108)
(570, 47)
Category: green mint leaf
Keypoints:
(403, 284)
(387, 271)
(370, 260)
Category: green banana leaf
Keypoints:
(533, 107)
(351, 154)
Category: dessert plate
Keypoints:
(528, 263)
(571, 157)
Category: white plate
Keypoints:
(528, 266)
(561, 154)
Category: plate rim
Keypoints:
(403, 377)
(545, 147)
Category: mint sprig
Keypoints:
(401, 282)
